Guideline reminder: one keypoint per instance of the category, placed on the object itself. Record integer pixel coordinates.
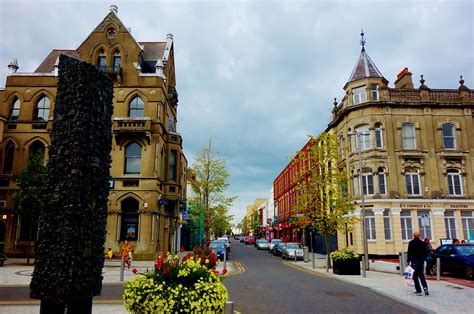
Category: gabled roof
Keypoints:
(364, 68)
(47, 66)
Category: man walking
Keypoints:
(417, 252)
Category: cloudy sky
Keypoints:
(259, 76)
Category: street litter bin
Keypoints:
(402, 256)
(306, 254)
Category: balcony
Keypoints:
(174, 138)
(114, 72)
(131, 127)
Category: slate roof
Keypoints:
(364, 68)
(152, 51)
(47, 66)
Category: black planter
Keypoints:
(347, 267)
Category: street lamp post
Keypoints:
(362, 199)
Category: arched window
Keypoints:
(101, 60)
(136, 108)
(133, 156)
(449, 136)
(37, 148)
(117, 61)
(15, 109)
(408, 136)
(42, 109)
(454, 182)
(378, 136)
(382, 176)
(8, 158)
(129, 227)
(362, 137)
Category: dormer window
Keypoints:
(359, 95)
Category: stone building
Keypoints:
(148, 184)
(413, 148)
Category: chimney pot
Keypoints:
(13, 66)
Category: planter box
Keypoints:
(347, 267)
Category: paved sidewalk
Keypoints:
(445, 297)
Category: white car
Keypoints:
(262, 244)
(227, 242)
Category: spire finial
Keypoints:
(461, 81)
(422, 81)
(362, 40)
(335, 102)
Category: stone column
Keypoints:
(357, 233)
(438, 227)
(397, 230)
(379, 231)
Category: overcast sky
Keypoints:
(259, 76)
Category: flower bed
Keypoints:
(190, 284)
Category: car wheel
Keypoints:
(469, 273)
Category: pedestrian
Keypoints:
(126, 252)
(456, 241)
(417, 251)
(109, 253)
(429, 256)
(463, 242)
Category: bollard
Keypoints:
(122, 267)
(295, 256)
(225, 259)
(314, 261)
(438, 269)
(229, 307)
(363, 267)
(306, 254)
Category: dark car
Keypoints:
(219, 249)
(242, 239)
(249, 240)
(278, 248)
(456, 259)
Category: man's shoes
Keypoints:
(417, 293)
(426, 292)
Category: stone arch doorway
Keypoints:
(130, 219)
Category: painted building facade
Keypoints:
(148, 184)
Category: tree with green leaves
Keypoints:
(323, 202)
(245, 226)
(211, 183)
(255, 223)
(30, 199)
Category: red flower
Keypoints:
(215, 272)
(134, 271)
(224, 271)
(181, 249)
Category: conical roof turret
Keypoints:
(364, 67)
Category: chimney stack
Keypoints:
(404, 80)
(13, 66)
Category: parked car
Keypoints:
(262, 244)
(456, 259)
(249, 240)
(219, 249)
(242, 239)
(227, 242)
(272, 243)
(278, 248)
(291, 249)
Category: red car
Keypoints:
(249, 240)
